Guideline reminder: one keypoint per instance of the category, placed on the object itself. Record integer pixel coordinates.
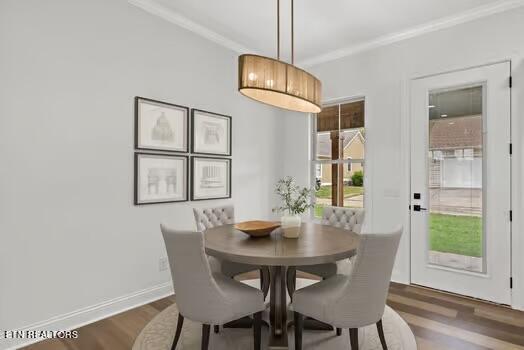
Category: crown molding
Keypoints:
(442, 23)
(174, 17)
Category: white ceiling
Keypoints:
(325, 29)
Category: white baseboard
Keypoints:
(90, 314)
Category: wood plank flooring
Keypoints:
(438, 320)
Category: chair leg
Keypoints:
(339, 332)
(216, 328)
(299, 326)
(257, 330)
(179, 325)
(291, 281)
(353, 338)
(381, 335)
(264, 280)
(205, 336)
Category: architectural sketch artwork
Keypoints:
(171, 181)
(211, 177)
(162, 131)
(161, 126)
(153, 179)
(160, 178)
(157, 175)
(212, 132)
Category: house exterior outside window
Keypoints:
(339, 152)
(454, 146)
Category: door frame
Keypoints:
(516, 162)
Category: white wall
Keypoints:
(70, 235)
(381, 75)
(296, 147)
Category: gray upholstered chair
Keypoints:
(203, 296)
(225, 215)
(355, 300)
(346, 218)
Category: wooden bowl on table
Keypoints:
(257, 228)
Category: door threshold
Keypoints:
(460, 295)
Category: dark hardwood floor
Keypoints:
(438, 320)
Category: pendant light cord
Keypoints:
(278, 29)
(292, 34)
(292, 31)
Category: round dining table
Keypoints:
(317, 244)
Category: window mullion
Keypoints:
(329, 175)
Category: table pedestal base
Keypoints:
(244, 322)
(278, 308)
(316, 325)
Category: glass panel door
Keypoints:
(460, 182)
(455, 161)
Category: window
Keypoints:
(338, 158)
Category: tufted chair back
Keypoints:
(199, 298)
(213, 217)
(346, 218)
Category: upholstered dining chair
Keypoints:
(203, 296)
(350, 219)
(218, 216)
(355, 300)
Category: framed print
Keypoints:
(210, 178)
(211, 133)
(160, 178)
(161, 126)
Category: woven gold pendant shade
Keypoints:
(279, 83)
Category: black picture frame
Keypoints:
(169, 105)
(137, 180)
(229, 180)
(229, 130)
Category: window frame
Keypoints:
(313, 149)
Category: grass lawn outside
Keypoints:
(449, 233)
(325, 193)
(319, 209)
(349, 191)
(456, 234)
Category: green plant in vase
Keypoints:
(294, 201)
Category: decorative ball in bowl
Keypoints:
(257, 228)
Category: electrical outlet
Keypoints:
(162, 264)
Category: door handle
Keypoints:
(417, 207)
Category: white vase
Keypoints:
(291, 225)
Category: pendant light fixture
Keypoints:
(279, 83)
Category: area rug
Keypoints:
(158, 334)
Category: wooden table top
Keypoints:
(317, 244)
